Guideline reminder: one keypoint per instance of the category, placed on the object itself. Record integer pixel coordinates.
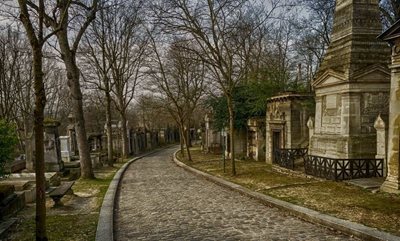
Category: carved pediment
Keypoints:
(374, 73)
(329, 77)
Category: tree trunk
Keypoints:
(124, 135)
(77, 107)
(181, 141)
(73, 75)
(231, 133)
(185, 141)
(110, 158)
(40, 102)
(188, 147)
(188, 135)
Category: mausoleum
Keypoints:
(352, 89)
(286, 126)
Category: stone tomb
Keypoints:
(352, 89)
(52, 148)
(256, 139)
(212, 139)
(286, 124)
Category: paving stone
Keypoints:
(160, 201)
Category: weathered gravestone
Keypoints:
(52, 149)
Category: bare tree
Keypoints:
(126, 50)
(33, 18)
(224, 40)
(390, 10)
(69, 21)
(95, 49)
(180, 80)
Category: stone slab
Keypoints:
(367, 183)
(19, 185)
(72, 164)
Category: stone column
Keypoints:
(392, 183)
(310, 125)
(30, 152)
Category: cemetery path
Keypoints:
(159, 201)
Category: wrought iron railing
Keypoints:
(343, 169)
(286, 157)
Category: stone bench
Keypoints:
(60, 192)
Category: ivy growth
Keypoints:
(8, 143)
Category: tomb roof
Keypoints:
(354, 45)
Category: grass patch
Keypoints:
(77, 219)
(345, 201)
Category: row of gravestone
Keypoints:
(62, 151)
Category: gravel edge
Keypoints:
(353, 229)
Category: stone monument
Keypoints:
(65, 145)
(352, 85)
(256, 138)
(52, 148)
(392, 183)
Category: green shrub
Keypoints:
(8, 142)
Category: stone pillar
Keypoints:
(379, 126)
(310, 125)
(30, 152)
(392, 183)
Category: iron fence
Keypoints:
(343, 169)
(286, 157)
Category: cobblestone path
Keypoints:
(160, 201)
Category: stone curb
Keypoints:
(105, 225)
(344, 226)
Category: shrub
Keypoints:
(8, 142)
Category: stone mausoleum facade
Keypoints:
(286, 123)
(352, 85)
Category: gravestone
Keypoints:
(72, 135)
(52, 149)
(65, 148)
(352, 84)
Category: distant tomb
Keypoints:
(212, 140)
(256, 138)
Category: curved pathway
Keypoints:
(159, 201)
